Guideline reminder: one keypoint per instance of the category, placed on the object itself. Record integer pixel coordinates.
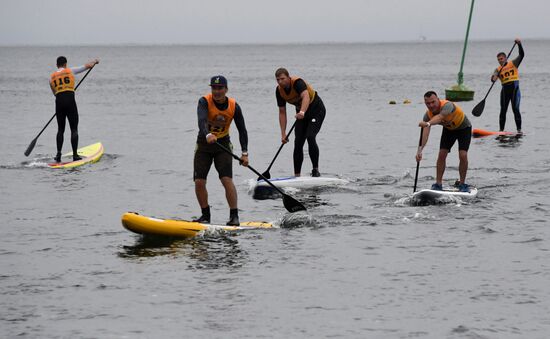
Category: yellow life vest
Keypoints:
(451, 121)
(509, 73)
(62, 81)
(293, 97)
(218, 120)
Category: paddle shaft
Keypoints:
(266, 173)
(501, 68)
(418, 162)
(33, 142)
(251, 168)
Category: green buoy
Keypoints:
(460, 92)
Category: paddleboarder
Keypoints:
(310, 113)
(215, 112)
(509, 78)
(62, 85)
(456, 126)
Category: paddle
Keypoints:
(481, 105)
(33, 142)
(418, 162)
(291, 204)
(266, 173)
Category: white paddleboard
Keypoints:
(428, 196)
(303, 182)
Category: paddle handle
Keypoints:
(418, 162)
(250, 167)
(281, 147)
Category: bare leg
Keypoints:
(230, 192)
(201, 192)
(441, 164)
(463, 165)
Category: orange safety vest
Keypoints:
(293, 97)
(62, 81)
(451, 121)
(509, 73)
(218, 120)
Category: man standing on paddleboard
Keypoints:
(62, 84)
(456, 126)
(310, 113)
(215, 113)
(509, 77)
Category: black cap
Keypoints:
(218, 80)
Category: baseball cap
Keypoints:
(218, 80)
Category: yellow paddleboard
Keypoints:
(89, 154)
(179, 228)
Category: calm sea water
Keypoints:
(368, 265)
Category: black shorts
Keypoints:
(206, 153)
(448, 138)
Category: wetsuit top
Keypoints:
(216, 118)
(453, 116)
(510, 71)
(292, 95)
(62, 80)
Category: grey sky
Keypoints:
(46, 22)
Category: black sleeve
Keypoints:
(239, 122)
(300, 86)
(202, 114)
(518, 60)
(280, 101)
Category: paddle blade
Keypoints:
(292, 205)
(479, 108)
(30, 148)
(264, 175)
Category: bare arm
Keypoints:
(425, 136)
(426, 124)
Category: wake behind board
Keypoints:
(180, 228)
(479, 133)
(262, 190)
(90, 154)
(430, 197)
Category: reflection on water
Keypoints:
(312, 200)
(509, 140)
(206, 252)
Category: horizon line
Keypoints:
(141, 44)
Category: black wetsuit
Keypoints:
(65, 108)
(206, 153)
(306, 128)
(510, 92)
